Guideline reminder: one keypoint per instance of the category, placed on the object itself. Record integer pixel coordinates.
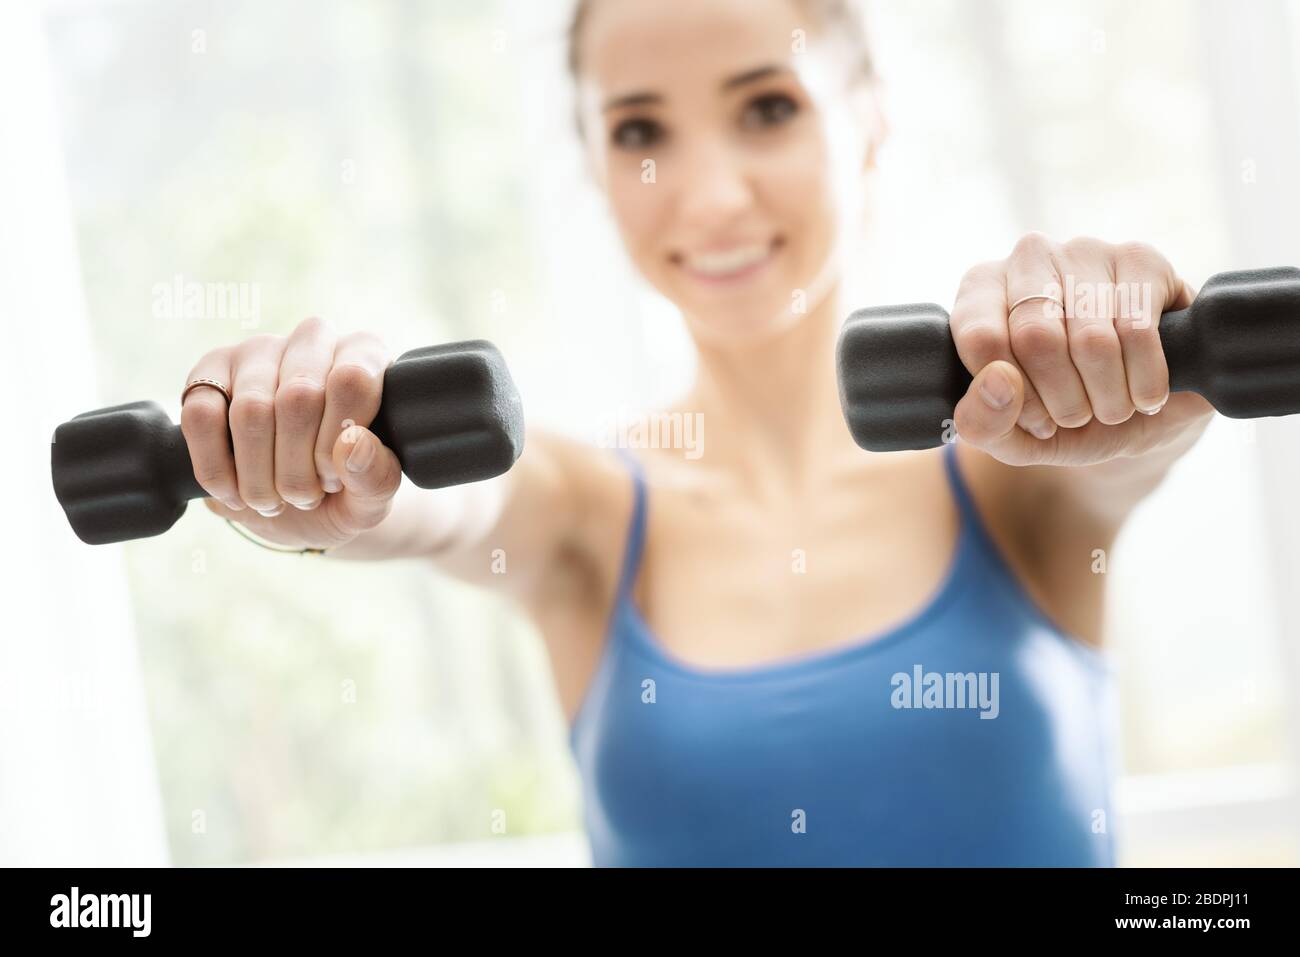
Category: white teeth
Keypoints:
(725, 263)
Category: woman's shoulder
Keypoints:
(592, 493)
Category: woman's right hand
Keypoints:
(304, 470)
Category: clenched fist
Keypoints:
(290, 456)
(1064, 346)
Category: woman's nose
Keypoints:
(714, 186)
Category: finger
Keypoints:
(291, 528)
(225, 511)
(987, 419)
(256, 370)
(370, 475)
(299, 405)
(1145, 286)
(1037, 330)
(353, 391)
(207, 432)
(1090, 329)
(986, 415)
(979, 331)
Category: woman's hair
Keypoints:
(841, 19)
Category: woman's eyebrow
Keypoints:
(752, 76)
(740, 79)
(632, 99)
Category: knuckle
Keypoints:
(1137, 329)
(1073, 415)
(966, 425)
(376, 508)
(299, 403)
(213, 477)
(258, 493)
(253, 414)
(312, 325)
(332, 527)
(324, 464)
(1139, 257)
(1149, 397)
(202, 417)
(352, 384)
(296, 487)
(1118, 411)
(392, 479)
(1084, 248)
(1037, 342)
(1094, 343)
(1033, 244)
(380, 483)
(983, 341)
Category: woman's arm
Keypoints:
(1070, 402)
(291, 458)
(504, 533)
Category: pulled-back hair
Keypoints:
(840, 19)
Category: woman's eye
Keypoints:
(636, 134)
(772, 109)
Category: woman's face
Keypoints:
(707, 127)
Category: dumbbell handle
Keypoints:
(1176, 339)
(1237, 345)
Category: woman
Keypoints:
(784, 650)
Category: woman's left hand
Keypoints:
(1078, 383)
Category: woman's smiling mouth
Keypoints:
(730, 264)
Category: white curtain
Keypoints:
(77, 779)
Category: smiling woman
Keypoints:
(731, 141)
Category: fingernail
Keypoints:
(360, 456)
(271, 512)
(996, 390)
(1042, 430)
(332, 485)
(1155, 409)
(308, 506)
(233, 504)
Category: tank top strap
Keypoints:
(960, 492)
(982, 540)
(636, 526)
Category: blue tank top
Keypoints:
(973, 733)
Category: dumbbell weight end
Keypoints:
(135, 449)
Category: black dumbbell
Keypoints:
(1237, 345)
(450, 413)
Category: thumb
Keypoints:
(987, 413)
(370, 475)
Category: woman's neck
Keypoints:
(771, 410)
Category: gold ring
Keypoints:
(1038, 298)
(195, 383)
